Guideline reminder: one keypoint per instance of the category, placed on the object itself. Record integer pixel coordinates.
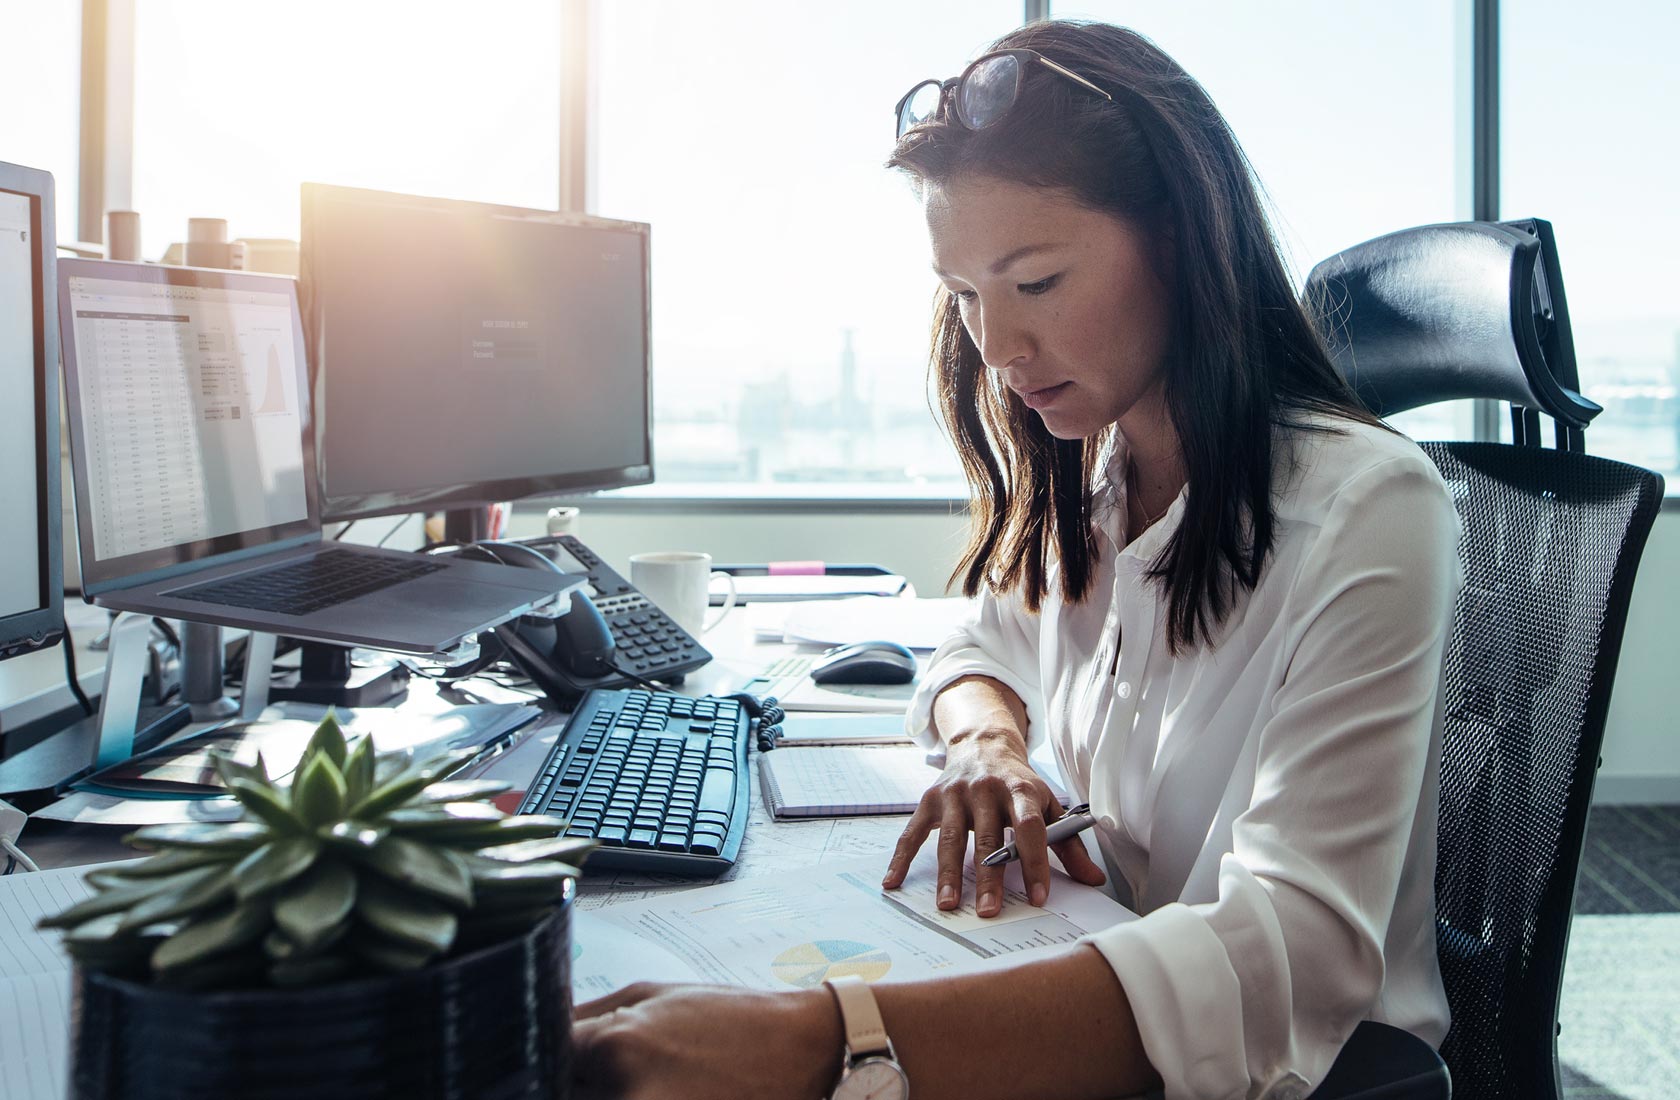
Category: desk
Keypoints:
(768, 847)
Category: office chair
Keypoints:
(1550, 544)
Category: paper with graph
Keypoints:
(792, 931)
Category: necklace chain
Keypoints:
(1133, 494)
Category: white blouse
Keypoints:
(1267, 802)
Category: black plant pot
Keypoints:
(492, 1024)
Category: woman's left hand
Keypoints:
(697, 1042)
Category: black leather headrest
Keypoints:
(1461, 310)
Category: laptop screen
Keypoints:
(190, 432)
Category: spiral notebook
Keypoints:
(844, 780)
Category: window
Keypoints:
(1346, 112)
(235, 105)
(792, 287)
(1585, 142)
(40, 101)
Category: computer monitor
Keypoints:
(31, 527)
(464, 353)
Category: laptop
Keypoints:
(197, 494)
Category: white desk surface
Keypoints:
(769, 846)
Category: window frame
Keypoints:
(106, 173)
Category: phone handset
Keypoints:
(608, 638)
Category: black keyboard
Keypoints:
(310, 584)
(659, 779)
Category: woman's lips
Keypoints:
(1038, 399)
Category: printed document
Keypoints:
(793, 931)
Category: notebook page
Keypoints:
(35, 982)
(835, 781)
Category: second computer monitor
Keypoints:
(31, 566)
(464, 353)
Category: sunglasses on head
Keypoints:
(982, 94)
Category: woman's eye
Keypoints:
(1039, 287)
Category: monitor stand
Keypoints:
(119, 730)
(328, 677)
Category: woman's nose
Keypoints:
(1001, 341)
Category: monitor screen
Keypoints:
(189, 415)
(465, 354)
(31, 568)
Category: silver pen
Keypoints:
(1072, 823)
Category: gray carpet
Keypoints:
(1620, 1015)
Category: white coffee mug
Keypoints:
(677, 581)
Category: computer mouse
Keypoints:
(865, 663)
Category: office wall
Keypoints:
(1642, 741)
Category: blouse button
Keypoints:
(1125, 690)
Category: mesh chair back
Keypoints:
(1550, 544)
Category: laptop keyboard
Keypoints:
(310, 584)
(659, 779)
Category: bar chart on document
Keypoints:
(190, 412)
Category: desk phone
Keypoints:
(647, 641)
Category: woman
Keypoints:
(1216, 586)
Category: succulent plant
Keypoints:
(370, 863)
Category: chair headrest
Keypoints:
(1460, 310)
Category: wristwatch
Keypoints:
(870, 1070)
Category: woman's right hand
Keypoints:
(988, 785)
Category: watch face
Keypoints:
(873, 1079)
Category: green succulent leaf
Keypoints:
(318, 792)
(123, 899)
(463, 790)
(230, 769)
(94, 931)
(436, 872)
(170, 862)
(359, 771)
(421, 819)
(226, 837)
(390, 793)
(352, 834)
(573, 850)
(328, 740)
(225, 931)
(266, 804)
(274, 864)
(512, 830)
(191, 890)
(276, 945)
(403, 915)
(499, 885)
(311, 908)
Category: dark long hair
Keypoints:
(1245, 357)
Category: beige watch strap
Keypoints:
(860, 1016)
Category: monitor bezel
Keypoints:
(102, 576)
(33, 629)
(351, 506)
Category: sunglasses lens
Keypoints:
(989, 91)
(921, 105)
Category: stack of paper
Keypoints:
(918, 624)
